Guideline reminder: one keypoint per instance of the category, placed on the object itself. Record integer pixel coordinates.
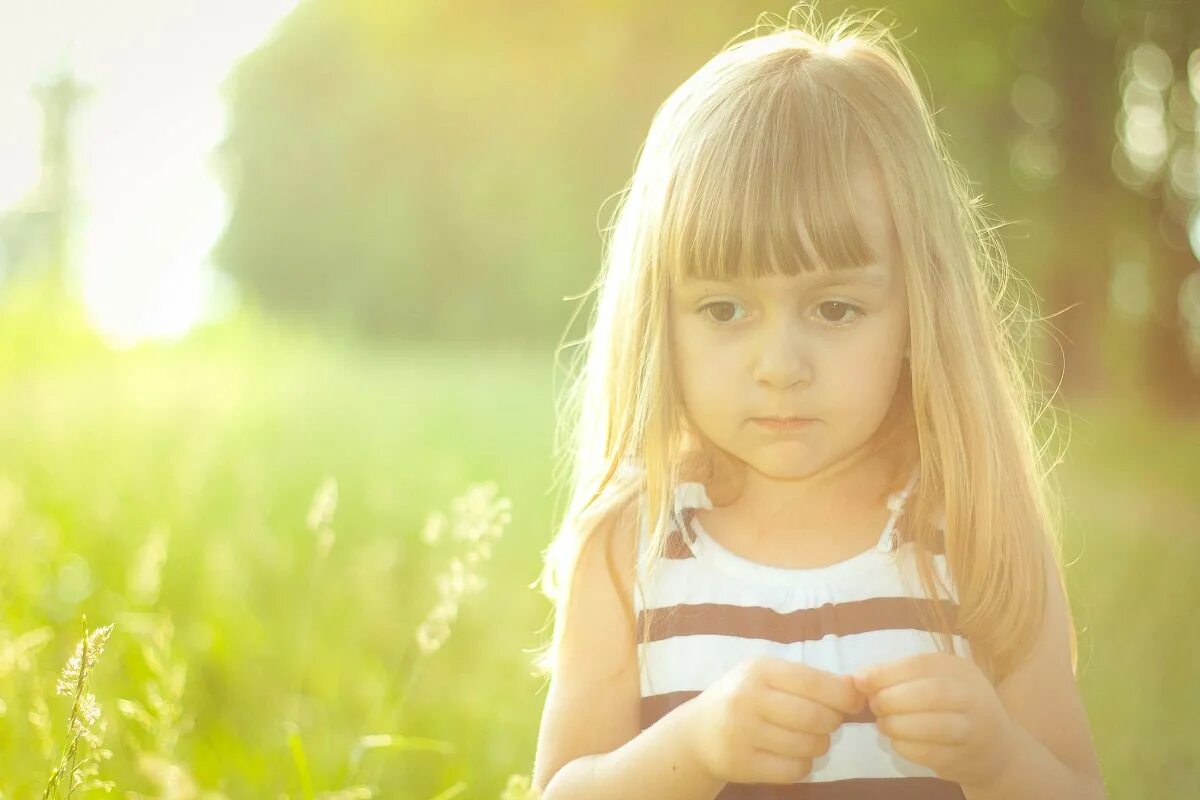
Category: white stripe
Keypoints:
(693, 663)
(861, 750)
(691, 580)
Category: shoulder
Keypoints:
(604, 568)
(613, 544)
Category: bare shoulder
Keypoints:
(593, 703)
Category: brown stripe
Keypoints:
(676, 548)
(656, 706)
(802, 625)
(852, 789)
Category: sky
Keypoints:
(150, 205)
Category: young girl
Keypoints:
(807, 551)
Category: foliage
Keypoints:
(266, 614)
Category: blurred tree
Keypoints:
(1158, 157)
(1082, 68)
(410, 170)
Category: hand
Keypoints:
(766, 719)
(940, 711)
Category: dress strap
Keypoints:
(895, 504)
(689, 496)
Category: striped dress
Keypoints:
(710, 609)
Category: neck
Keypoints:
(819, 501)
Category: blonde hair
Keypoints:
(762, 136)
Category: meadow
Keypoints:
(267, 518)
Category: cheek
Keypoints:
(697, 358)
(865, 380)
(699, 381)
(705, 376)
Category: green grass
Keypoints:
(1132, 546)
(221, 448)
(217, 445)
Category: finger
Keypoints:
(925, 694)
(934, 756)
(829, 689)
(789, 743)
(947, 728)
(798, 713)
(872, 679)
(771, 768)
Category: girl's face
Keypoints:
(826, 347)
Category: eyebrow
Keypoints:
(844, 276)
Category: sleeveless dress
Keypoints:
(710, 609)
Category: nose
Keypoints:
(783, 356)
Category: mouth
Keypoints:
(782, 423)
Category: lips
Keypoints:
(782, 423)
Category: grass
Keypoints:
(1132, 544)
(255, 513)
(296, 644)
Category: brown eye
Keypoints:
(840, 310)
(726, 309)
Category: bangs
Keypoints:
(765, 189)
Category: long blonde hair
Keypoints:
(765, 135)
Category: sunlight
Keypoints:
(149, 205)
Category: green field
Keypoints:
(213, 451)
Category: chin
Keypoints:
(784, 469)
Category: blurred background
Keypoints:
(281, 287)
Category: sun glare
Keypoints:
(148, 206)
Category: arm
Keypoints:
(590, 743)
(1052, 749)
(660, 756)
(1035, 773)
